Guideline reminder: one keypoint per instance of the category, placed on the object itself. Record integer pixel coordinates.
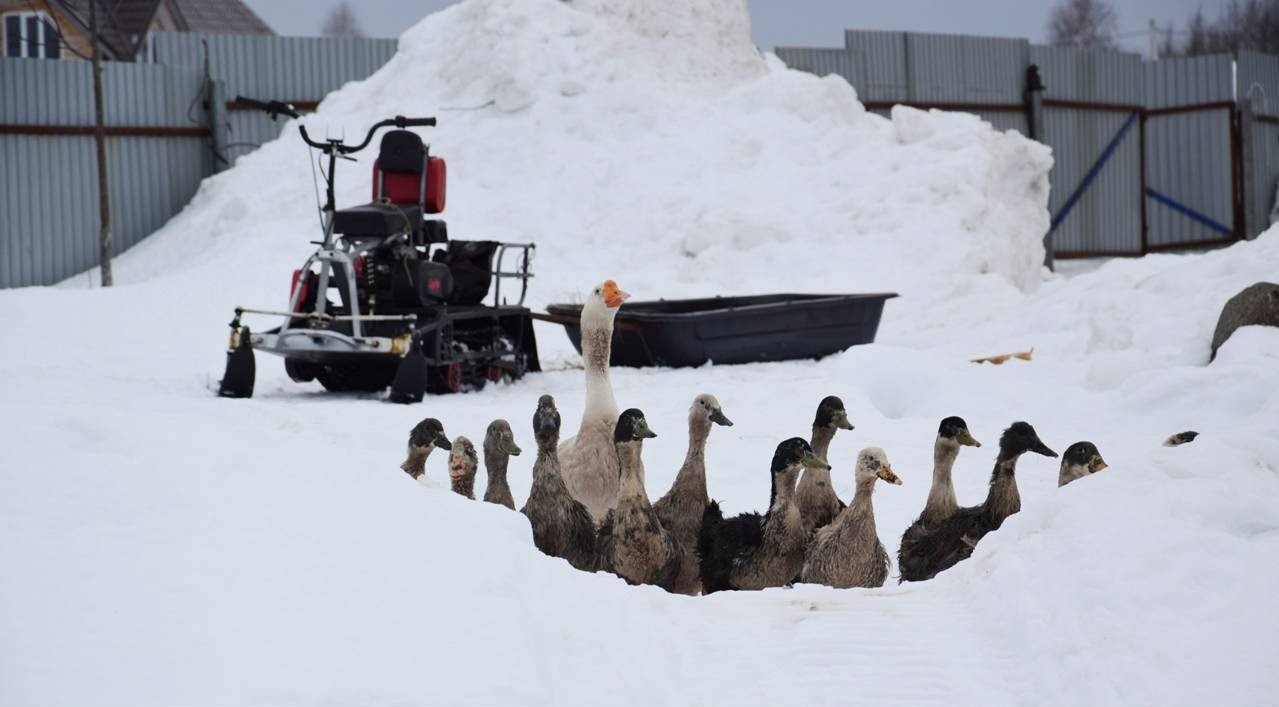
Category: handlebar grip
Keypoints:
(252, 103)
(274, 108)
(402, 122)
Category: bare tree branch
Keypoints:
(1242, 24)
(1083, 23)
(341, 23)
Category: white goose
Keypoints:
(588, 460)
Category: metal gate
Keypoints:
(1193, 154)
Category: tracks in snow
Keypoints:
(813, 645)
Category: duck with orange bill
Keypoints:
(847, 552)
(588, 460)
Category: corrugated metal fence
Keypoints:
(1258, 80)
(159, 143)
(297, 70)
(1148, 155)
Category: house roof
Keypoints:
(220, 16)
(122, 24)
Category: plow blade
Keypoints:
(409, 385)
(237, 381)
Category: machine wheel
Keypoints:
(444, 379)
(347, 378)
(300, 371)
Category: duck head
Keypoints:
(603, 301)
(632, 427)
(954, 430)
(795, 453)
(1081, 459)
(499, 438)
(831, 414)
(462, 459)
(1181, 438)
(706, 407)
(428, 433)
(872, 463)
(1020, 438)
(546, 422)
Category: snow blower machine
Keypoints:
(387, 299)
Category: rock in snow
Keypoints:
(1255, 305)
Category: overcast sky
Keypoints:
(793, 22)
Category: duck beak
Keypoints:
(613, 295)
(1040, 448)
(717, 416)
(1097, 464)
(966, 438)
(443, 442)
(509, 446)
(812, 461)
(841, 421)
(886, 473)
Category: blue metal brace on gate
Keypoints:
(1092, 173)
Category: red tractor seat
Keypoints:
(404, 173)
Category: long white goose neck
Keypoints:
(597, 348)
(632, 470)
(941, 497)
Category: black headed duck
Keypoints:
(951, 435)
(1079, 460)
(423, 438)
(818, 502)
(1181, 438)
(680, 510)
(562, 527)
(751, 551)
(632, 541)
(942, 546)
(499, 447)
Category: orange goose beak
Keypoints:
(613, 295)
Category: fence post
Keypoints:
(215, 95)
(1248, 178)
(1034, 94)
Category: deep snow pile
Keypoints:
(649, 138)
(164, 546)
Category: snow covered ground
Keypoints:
(161, 545)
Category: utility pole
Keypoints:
(99, 138)
(1154, 40)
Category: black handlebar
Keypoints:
(274, 108)
(402, 122)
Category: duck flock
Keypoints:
(588, 503)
